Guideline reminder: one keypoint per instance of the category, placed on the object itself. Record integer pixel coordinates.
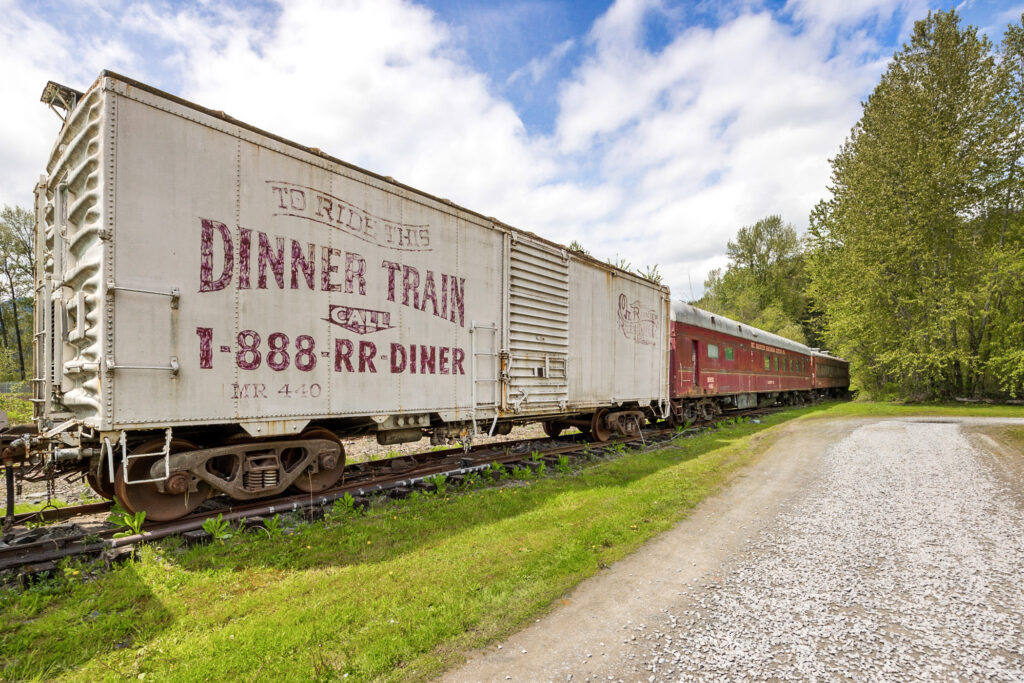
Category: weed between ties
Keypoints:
(131, 522)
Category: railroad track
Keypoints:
(397, 476)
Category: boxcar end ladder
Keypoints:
(479, 351)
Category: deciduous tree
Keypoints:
(764, 281)
(16, 278)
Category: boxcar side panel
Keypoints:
(618, 331)
(307, 289)
(831, 373)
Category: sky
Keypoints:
(646, 130)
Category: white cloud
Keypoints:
(539, 67)
(379, 84)
(28, 128)
(659, 156)
(33, 52)
(838, 13)
(1011, 15)
(721, 127)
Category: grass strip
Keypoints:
(935, 409)
(20, 508)
(1015, 437)
(399, 593)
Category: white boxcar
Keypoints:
(195, 271)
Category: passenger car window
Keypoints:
(767, 362)
(712, 350)
(728, 353)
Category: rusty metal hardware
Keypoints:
(173, 366)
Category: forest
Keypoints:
(913, 264)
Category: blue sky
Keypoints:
(645, 129)
(501, 37)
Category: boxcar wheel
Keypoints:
(325, 477)
(101, 485)
(599, 433)
(159, 506)
(553, 428)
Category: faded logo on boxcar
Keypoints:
(637, 322)
(359, 320)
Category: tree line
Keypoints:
(764, 284)
(913, 266)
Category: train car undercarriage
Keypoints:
(169, 474)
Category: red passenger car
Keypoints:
(717, 363)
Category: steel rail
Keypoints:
(52, 549)
(451, 462)
(53, 514)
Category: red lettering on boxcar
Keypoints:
(428, 364)
(367, 350)
(410, 282)
(328, 268)
(300, 201)
(305, 263)
(244, 242)
(206, 281)
(355, 270)
(275, 259)
(398, 360)
(343, 355)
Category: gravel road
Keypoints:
(853, 550)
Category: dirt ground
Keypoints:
(646, 617)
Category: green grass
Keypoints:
(953, 409)
(398, 593)
(1015, 436)
(1009, 435)
(34, 507)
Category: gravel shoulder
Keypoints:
(859, 548)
